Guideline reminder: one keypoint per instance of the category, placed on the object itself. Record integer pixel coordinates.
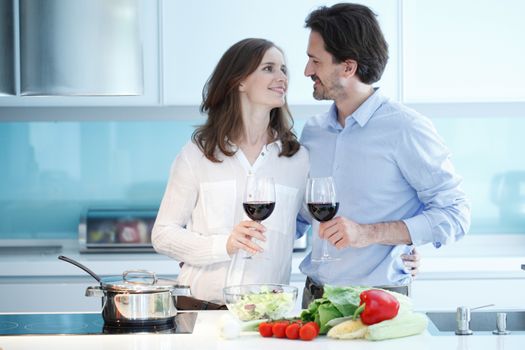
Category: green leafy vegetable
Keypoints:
(327, 311)
(336, 302)
(252, 326)
(345, 299)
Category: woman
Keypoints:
(248, 131)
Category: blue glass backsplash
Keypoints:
(51, 172)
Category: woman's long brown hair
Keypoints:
(221, 102)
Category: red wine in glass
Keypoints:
(259, 199)
(258, 211)
(322, 204)
(323, 211)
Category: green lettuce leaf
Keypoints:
(345, 299)
(327, 311)
(336, 302)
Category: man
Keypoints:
(395, 183)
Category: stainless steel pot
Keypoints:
(138, 297)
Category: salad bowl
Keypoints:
(260, 301)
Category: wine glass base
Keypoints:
(325, 259)
(256, 257)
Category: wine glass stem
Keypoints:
(246, 254)
(325, 249)
(255, 240)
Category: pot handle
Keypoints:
(94, 291)
(180, 290)
(139, 273)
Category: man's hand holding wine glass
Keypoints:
(342, 233)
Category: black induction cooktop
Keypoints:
(86, 323)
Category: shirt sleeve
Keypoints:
(424, 161)
(303, 222)
(170, 236)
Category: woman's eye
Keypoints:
(284, 70)
(268, 68)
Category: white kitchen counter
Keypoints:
(205, 336)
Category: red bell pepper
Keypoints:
(376, 305)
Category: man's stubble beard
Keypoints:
(324, 93)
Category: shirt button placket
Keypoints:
(336, 165)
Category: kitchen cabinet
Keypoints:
(38, 282)
(183, 41)
(47, 294)
(477, 270)
(148, 61)
(61, 287)
(195, 35)
(448, 294)
(7, 82)
(66, 294)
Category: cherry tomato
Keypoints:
(307, 332)
(292, 331)
(279, 329)
(265, 329)
(315, 325)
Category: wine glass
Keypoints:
(322, 204)
(259, 199)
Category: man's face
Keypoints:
(322, 70)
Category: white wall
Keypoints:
(463, 51)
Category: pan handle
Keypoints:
(77, 264)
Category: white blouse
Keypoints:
(202, 204)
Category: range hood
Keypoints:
(7, 67)
(80, 47)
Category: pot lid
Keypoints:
(141, 281)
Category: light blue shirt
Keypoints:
(389, 164)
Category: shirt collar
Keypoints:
(277, 143)
(332, 121)
(361, 115)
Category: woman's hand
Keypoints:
(242, 235)
(412, 262)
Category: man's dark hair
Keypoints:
(351, 31)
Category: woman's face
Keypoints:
(267, 85)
